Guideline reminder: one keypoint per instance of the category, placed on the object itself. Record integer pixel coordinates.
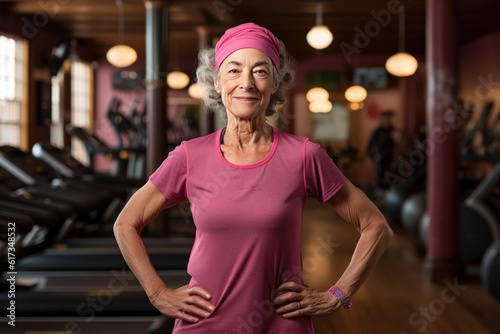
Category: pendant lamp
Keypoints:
(317, 94)
(121, 55)
(319, 37)
(177, 80)
(355, 93)
(320, 106)
(196, 91)
(318, 100)
(401, 64)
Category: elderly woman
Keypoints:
(247, 184)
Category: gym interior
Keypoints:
(81, 130)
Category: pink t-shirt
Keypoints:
(248, 226)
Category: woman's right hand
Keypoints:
(190, 304)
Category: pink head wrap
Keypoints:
(247, 35)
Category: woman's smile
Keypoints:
(246, 99)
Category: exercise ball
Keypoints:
(490, 270)
(475, 235)
(423, 228)
(411, 212)
(394, 199)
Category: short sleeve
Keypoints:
(171, 177)
(322, 177)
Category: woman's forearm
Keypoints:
(375, 235)
(370, 247)
(135, 254)
(142, 207)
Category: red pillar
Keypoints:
(442, 164)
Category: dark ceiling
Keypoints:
(94, 23)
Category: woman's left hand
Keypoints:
(295, 300)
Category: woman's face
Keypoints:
(246, 83)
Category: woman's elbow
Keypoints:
(386, 232)
(121, 226)
(117, 227)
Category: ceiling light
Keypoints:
(355, 105)
(401, 64)
(323, 106)
(196, 91)
(355, 94)
(317, 94)
(121, 55)
(177, 80)
(319, 37)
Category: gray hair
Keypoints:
(206, 74)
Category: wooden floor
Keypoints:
(395, 298)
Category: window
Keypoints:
(81, 105)
(56, 124)
(13, 81)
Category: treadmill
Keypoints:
(91, 301)
(67, 166)
(101, 257)
(33, 171)
(75, 324)
(14, 192)
(63, 162)
(89, 206)
(23, 225)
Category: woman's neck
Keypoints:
(242, 132)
